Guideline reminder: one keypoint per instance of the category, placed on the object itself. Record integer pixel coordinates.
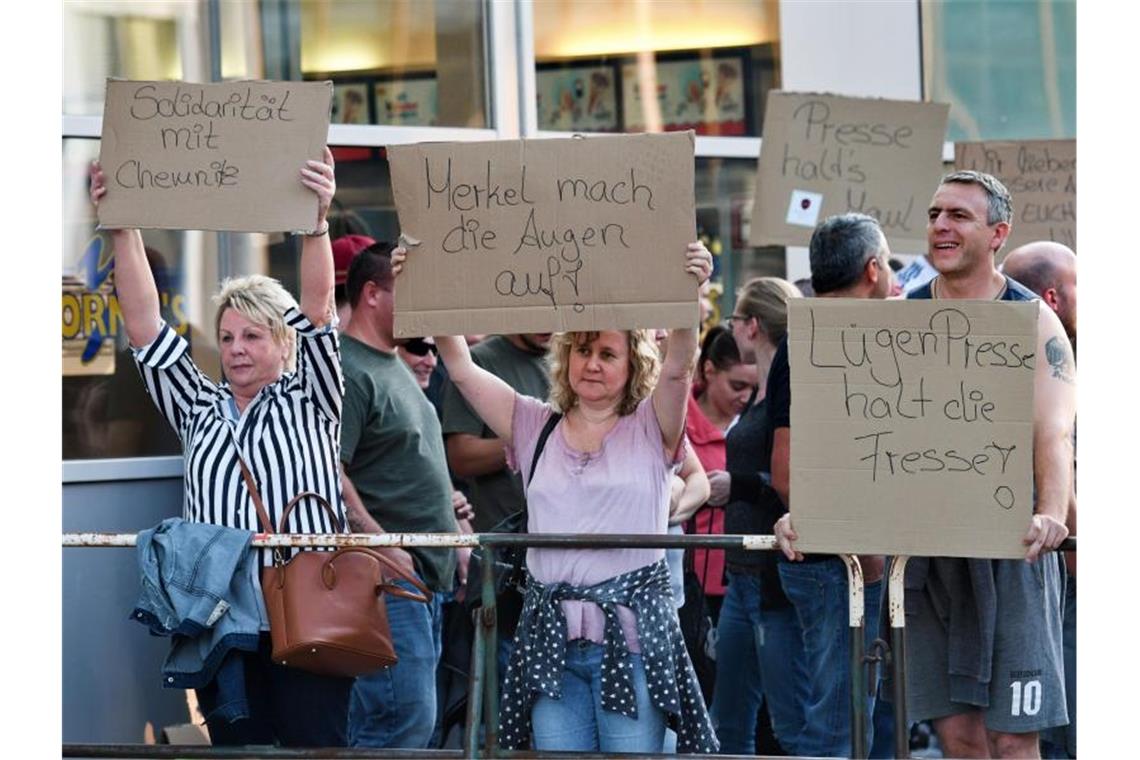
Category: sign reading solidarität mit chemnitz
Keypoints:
(220, 156)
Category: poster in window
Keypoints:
(92, 319)
(577, 99)
(407, 102)
(702, 94)
(350, 103)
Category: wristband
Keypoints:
(318, 233)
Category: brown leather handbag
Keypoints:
(326, 609)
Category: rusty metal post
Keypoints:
(474, 691)
(896, 600)
(855, 618)
(489, 632)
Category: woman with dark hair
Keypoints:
(758, 654)
(599, 663)
(722, 390)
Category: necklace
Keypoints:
(936, 288)
(600, 420)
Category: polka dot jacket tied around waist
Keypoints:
(539, 656)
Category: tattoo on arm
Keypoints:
(1060, 359)
(357, 523)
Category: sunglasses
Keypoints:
(420, 347)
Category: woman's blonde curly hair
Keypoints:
(263, 301)
(644, 368)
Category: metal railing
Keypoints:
(483, 681)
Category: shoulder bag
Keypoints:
(326, 609)
(509, 561)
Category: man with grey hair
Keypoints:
(991, 681)
(849, 259)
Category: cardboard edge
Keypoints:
(414, 324)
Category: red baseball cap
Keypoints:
(344, 251)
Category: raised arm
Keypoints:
(670, 397)
(1055, 409)
(470, 456)
(317, 275)
(134, 282)
(490, 398)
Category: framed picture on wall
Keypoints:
(577, 98)
(350, 103)
(407, 102)
(708, 93)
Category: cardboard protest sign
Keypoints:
(912, 426)
(545, 235)
(825, 154)
(1041, 175)
(223, 156)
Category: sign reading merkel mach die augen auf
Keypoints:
(219, 156)
(545, 235)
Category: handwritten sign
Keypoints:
(545, 235)
(1041, 175)
(825, 154)
(223, 156)
(912, 426)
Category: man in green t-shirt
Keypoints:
(394, 473)
(473, 451)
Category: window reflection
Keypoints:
(404, 63)
(1007, 69)
(647, 67)
(164, 39)
(106, 412)
(724, 191)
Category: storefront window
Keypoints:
(1007, 69)
(724, 193)
(162, 39)
(106, 412)
(708, 63)
(408, 63)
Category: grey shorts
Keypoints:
(1026, 692)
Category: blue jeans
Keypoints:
(395, 707)
(577, 722)
(759, 658)
(818, 591)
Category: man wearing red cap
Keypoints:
(345, 249)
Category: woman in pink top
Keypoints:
(599, 663)
(721, 392)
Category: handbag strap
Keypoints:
(547, 429)
(263, 515)
(424, 594)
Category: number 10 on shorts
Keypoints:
(1026, 697)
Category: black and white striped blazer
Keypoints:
(289, 435)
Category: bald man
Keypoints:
(1050, 270)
